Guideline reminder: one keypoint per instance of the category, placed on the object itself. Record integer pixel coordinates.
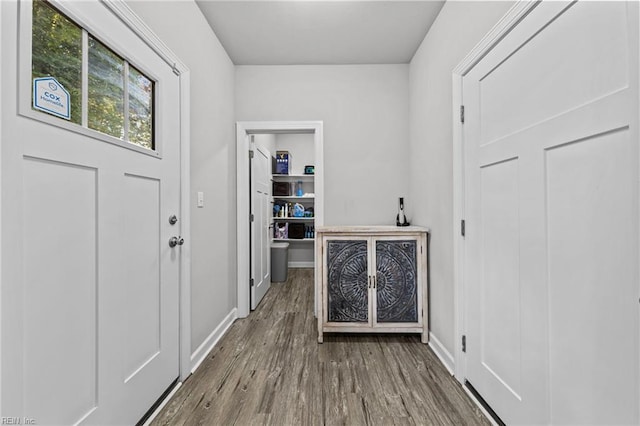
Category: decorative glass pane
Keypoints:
(396, 281)
(106, 90)
(140, 109)
(57, 52)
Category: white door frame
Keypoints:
(509, 21)
(1, 234)
(142, 30)
(243, 130)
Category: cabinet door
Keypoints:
(347, 295)
(397, 295)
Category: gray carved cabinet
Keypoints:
(372, 279)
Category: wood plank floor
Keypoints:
(270, 370)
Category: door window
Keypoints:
(114, 98)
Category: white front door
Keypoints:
(89, 283)
(551, 208)
(260, 226)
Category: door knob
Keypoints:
(176, 241)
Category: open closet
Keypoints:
(280, 193)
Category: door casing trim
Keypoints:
(243, 130)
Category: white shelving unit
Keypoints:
(307, 200)
(288, 178)
(294, 198)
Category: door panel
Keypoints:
(572, 67)
(348, 281)
(60, 345)
(551, 205)
(396, 281)
(500, 303)
(592, 283)
(261, 238)
(141, 261)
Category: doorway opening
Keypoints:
(270, 137)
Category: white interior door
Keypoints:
(551, 204)
(89, 282)
(260, 226)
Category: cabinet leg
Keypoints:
(424, 337)
(320, 336)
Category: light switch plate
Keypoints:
(200, 199)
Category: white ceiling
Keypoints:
(320, 32)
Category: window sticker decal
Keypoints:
(51, 97)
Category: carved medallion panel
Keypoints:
(396, 281)
(347, 295)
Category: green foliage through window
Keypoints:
(119, 97)
(140, 108)
(57, 52)
(106, 90)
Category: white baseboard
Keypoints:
(302, 264)
(442, 353)
(203, 350)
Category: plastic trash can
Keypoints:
(279, 262)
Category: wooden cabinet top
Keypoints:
(377, 230)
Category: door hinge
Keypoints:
(251, 283)
(251, 217)
(250, 154)
(420, 249)
(462, 114)
(463, 227)
(464, 343)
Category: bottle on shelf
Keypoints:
(309, 231)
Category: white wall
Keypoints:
(181, 25)
(458, 28)
(365, 110)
